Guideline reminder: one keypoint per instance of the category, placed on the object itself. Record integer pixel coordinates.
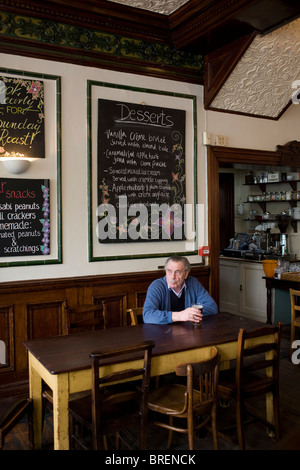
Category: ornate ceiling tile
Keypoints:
(261, 83)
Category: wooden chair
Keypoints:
(85, 318)
(136, 315)
(256, 373)
(295, 319)
(197, 398)
(112, 406)
(78, 319)
(12, 409)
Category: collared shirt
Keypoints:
(180, 292)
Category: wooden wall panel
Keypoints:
(36, 309)
(7, 336)
(45, 318)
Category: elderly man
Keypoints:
(170, 299)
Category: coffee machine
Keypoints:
(283, 221)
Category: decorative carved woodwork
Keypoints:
(113, 36)
(219, 65)
(36, 309)
(290, 154)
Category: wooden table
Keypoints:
(63, 361)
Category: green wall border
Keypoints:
(66, 42)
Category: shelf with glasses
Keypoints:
(288, 197)
(262, 186)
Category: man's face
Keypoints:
(176, 274)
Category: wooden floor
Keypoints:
(256, 436)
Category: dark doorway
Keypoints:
(226, 208)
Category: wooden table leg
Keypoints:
(35, 390)
(61, 412)
(269, 302)
(270, 413)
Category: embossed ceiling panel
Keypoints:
(261, 83)
(165, 7)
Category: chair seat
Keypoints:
(250, 382)
(10, 406)
(12, 409)
(169, 398)
(110, 414)
(195, 399)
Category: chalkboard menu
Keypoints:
(141, 172)
(22, 117)
(24, 217)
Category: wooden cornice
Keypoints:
(100, 15)
(290, 154)
(197, 19)
(110, 35)
(63, 39)
(219, 64)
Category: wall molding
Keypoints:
(87, 45)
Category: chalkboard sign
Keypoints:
(24, 217)
(141, 172)
(22, 117)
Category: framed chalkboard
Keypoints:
(22, 117)
(24, 217)
(141, 172)
(30, 207)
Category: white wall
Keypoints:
(240, 132)
(255, 133)
(74, 168)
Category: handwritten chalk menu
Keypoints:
(141, 172)
(22, 117)
(24, 217)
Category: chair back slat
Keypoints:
(85, 318)
(263, 355)
(202, 376)
(295, 318)
(136, 315)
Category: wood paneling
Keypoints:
(7, 336)
(36, 309)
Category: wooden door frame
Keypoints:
(215, 157)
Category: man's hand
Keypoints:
(189, 314)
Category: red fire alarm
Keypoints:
(204, 251)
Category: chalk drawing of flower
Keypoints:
(45, 221)
(35, 89)
(169, 221)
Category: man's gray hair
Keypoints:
(176, 259)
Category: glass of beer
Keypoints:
(198, 324)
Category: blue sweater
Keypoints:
(157, 304)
